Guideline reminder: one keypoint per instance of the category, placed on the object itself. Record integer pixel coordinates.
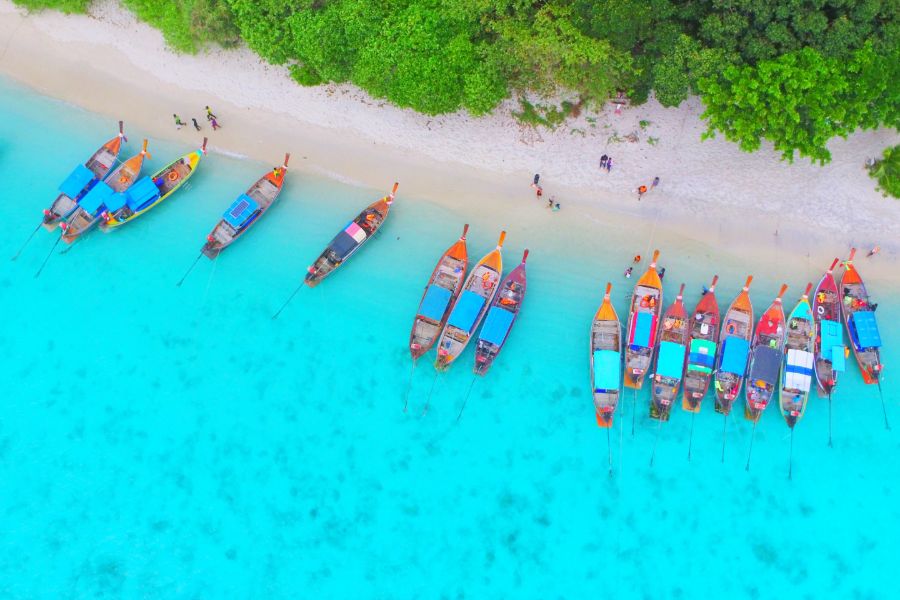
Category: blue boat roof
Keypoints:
(866, 329)
(607, 370)
(76, 181)
(466, 311)
(142, 191)
(766, 365)
(96, 198)
(116, 201)
(643, 325)
(240, 210)
(434, 303)
(734, 355)
(343, 244)
(832, 343)
(671, 360)
(496, 325)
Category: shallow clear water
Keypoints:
(164, 442)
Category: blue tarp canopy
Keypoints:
(832, 343)
(76, 181)
(96, 198)
(240, 210)
(435, 302)
(703, 355)
(866, 329)
(496, 325)
(642, 326)
(838, 361)
(116, 201)
(466, 311)
(734, 356)
(766, 365)
(343, 244)
(141, 192)
(671, 360)
(607, 370)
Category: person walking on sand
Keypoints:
(873, 252)
(178, 122)
(603, 160)
(609, 164)
(214, 123)
(641, 191)
(550, 202)
(209, 114)
(555, 207)
(655, 183)
(534, 183)
(196, 125)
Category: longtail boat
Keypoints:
(731, 361)
(859, 318)
(829, 335)
(246, 210)
(646, 305)
(673, 338)
(91, 207)
(797, 366)
(500, 318)
(82, 179)
(440, 293)
(470, 307)
(606, 360)
(704, 336)
(765, 359)
(350, 239)
(148, 192)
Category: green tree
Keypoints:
(887, 171)
(801, 100)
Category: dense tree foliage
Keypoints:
(887, 171)
(795, 72)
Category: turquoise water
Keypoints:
(163, 442)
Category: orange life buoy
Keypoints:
(173, 175)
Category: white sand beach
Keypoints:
(709, 191)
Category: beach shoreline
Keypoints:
(751, 206)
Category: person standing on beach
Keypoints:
(178, 122)
(209, 114)
(655, 183)
(214, 123)
(550, 202)
(196, 125)
(603, 161)
(609, 164)
(873, 251)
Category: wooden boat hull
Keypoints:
(168, 180)
(734, 351)
(827, 314)
(88, 214)
(855, 300)
(798, 362)
(350, 239)
(263, 193)
(763, 374)
(643, 321)
(501, 317)
(470, 307)
(440, 293)
(670, 360)
(606, 361)
(82, 180)
(703, 337)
